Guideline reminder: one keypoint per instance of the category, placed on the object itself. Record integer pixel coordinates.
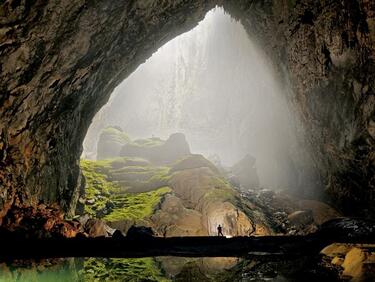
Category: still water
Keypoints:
(164, 269)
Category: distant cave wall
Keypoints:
(60, 60)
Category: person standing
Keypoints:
(220, 231)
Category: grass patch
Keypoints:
(135, 206)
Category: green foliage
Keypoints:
(135, 206)
(120, 269)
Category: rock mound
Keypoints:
(193, 161)
(111, 140)
(157, 151)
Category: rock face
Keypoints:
(173, 219)
(61, 60)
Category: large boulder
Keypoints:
(111, 140)
(96, 228)
(301, 219)
(200, 187)
(191, 185)
(173, 219)
(245, 173)
(321, 212)
(193, 161)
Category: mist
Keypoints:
(217, 87)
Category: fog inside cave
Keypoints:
(215, 85)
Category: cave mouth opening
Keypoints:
(61, 61)
(208, 98)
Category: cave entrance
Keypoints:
(205, 114)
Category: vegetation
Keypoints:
(119, 269)
(108, 183)
(135, 206)
(98, 187)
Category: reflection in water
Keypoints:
(166, 269)
(56, 270)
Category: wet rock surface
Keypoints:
(354, 262)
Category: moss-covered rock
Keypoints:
(135, 207)
(193, 161)
(188, 198)
(156, 150)
(107, 197)
(111, 140)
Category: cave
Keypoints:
(60, 62)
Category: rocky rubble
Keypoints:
(50, 222)
(287, 214)
(40, 222)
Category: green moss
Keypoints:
(107, 188)
(98, 187)
(141, 179)
(119, 269)
(135, 206)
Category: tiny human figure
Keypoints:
(220, 231)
